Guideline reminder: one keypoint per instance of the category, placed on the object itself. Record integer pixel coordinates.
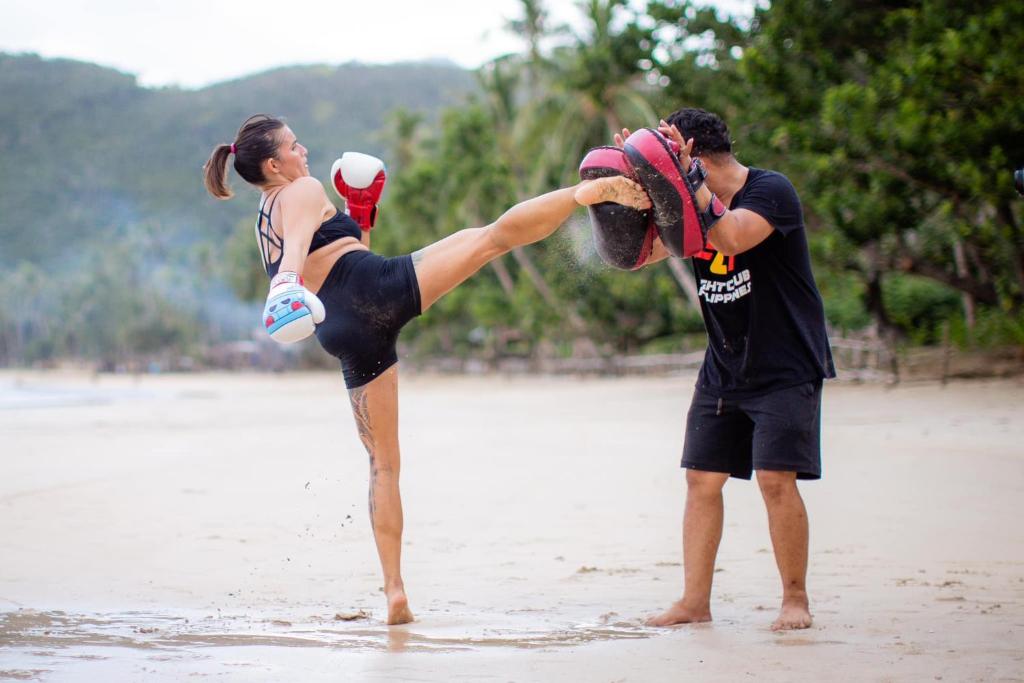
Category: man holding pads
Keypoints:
(757, 403)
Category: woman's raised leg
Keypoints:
(375, 407)
(442, 266)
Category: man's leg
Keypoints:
(787, 522)
(702, 532)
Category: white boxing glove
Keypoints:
(292, 311)
(359, 179)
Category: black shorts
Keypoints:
(368, 299)
(778, 431)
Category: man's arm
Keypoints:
(753, 230)
(736, 231)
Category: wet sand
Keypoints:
(167, 527)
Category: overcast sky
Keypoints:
(192, 43)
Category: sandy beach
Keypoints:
(178, 527)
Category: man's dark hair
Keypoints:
(709, 132)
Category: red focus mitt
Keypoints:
(624, 236)
(682, 226)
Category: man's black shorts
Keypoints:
(777, 431)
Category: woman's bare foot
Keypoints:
(795, 614)
(618, 189)
(680, 613)
(398, 607)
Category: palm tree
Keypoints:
(500, 81)
(591, 88)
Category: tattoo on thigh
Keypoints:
(417, 256)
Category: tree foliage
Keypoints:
(899, 121)
(903, 123)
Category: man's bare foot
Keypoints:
(398, 607)
(679, 613)
(618, 189)
(795, 614)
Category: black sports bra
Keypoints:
(331, 230)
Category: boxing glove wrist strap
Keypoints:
(696, 175)
(287, 276)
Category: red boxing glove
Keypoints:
(359, 180)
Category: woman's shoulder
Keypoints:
(304, 187)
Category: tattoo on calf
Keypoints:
(370, 504)
(361, 411)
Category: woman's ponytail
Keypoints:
(255, 142)
(215, 172)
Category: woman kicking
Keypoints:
(367, 298)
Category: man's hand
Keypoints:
(685, 146)
(620, 140)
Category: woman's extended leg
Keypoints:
(442, 266)
(375, 407)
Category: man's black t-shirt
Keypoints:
(763, 313)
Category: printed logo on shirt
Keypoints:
(719, 263)
(723, 291)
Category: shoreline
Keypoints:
(857, 361)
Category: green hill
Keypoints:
(90, 155)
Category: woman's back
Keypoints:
(336, 233)
(271, 241)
